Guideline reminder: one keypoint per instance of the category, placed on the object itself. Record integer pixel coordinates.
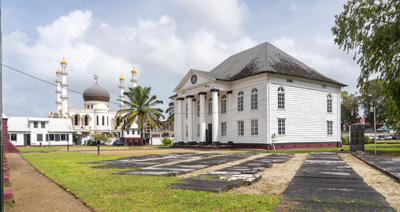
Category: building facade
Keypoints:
(95, 117)
(258, 98)
(26, 131)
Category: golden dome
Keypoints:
(58, 70)
(133, 70)
(64, 62)
(121, 78)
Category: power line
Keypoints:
(42, 80)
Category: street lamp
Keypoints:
(374, 110)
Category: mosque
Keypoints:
(95, 117)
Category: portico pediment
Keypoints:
(193, 79)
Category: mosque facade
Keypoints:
(95, 117)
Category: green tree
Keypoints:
(170, 112)
(375, 98)
(102, 137)
(141, 110)
(371, 28)
(349, 109)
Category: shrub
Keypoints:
(166, 141)
(367, 140)
(345, 140)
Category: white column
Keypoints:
(202, 96)
(194, 132)
(179, 130)
(215, 118)
(190, 118)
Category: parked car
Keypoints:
(118, 143)
(381, 137)
(371, 136)
(92, 142)
(395, 137)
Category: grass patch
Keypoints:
(103, 191)
(370, 148)
(302, 150)
(39, 148)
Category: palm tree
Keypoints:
(140, 110)
(170, 112)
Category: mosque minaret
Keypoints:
(64, 85)
(121, 95)
(134, 79)
(58, 91)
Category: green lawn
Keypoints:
(39, 148)
(101, 190)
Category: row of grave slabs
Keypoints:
(325, 182)
(181, 163)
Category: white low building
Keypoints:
(25, 131)
(258, 98)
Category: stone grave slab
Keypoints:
(387, 164)
(326, 184)
(238, 174)
(296, 206)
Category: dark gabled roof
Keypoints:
(264, 58)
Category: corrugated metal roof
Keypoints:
(18, 124)
(21, 124)
(264, 58)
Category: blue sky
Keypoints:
(163, 39)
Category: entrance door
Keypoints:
(27, 139)
(209, 134)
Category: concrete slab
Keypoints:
(387, 164)
(291, 206)
(186, 167)
(241, 173)
(206, 185)
(325, 182)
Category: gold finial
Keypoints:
(64, 62)
(121, 78)
(134, 70)
(58, 70)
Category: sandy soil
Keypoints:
(274, 180)
(35, 192)
(378, 180)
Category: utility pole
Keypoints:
(1, 123)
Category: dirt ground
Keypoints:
(378, 180)
(274, 180)
(35, 192)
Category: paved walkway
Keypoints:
(234, 176)
(384, 163)
(34, 192)
(326, 183)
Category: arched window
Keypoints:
(86, 120)
(240, 101)
(254, 99)
(210, 107)
(108, 121)
(329, 103)
(198, 108)
(102, 120)
(76, 119)
(281, 98)
(223, 104)
(97, 120)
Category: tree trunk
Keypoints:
(141, 137)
